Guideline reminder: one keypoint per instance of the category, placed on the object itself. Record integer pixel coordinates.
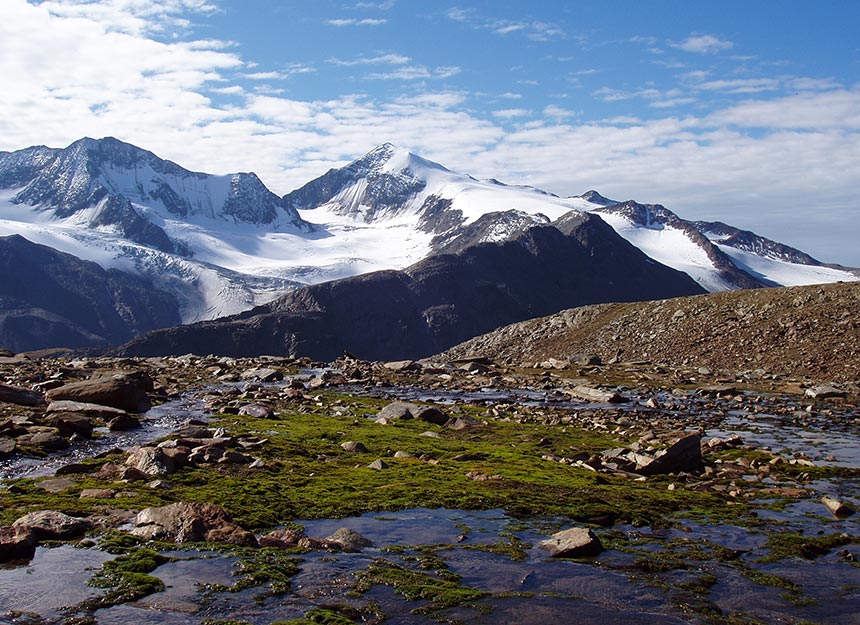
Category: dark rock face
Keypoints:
(50, 299)
(438, 302)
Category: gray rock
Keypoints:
(402, 365)
(20, 396)
(123, 423)
(397, 410)
(17, 543)
(263, 375)
(190, 522)
(598, 395)
(97, 493)
(349, 540)
(46, 440)
(124, 390)
(257, 411)
(94, 411)
(377, 465)
(825, 392)
(7, 447)
(839, 509)
(53, 525)
(684, 456)
(430, 414)
(56, 485)
(69, 423)
(576, 542)
(151, 461)
(354, 447)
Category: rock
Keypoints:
(20, 396)
(597, 395)
(127, 391)
(47, 441)
(76, 468)
(69, 423)
(159, 485)
(464, 423)
(430, 414)
(17, 543)
(123, 423)
(94, 411)
(684, 456)
(354, 447)
(587, 360)
(839, 509)
(193, 431)
(97, 493)
(349, 540)
(720, 390)
(56, 485)
(397, 410)
(468, 457)
(576, 542)
(282, 538)
(263, 375)
(402, 365)
(53, 525)
(825, 392)
(403, 454)
(257, 411)
(377, 465)
(190, 522)
(151, 461)
(7, 447)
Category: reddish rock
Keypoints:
(127, 391)
(20, 396)
(53, 525)
(190, 522)
(16, 543)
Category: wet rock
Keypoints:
(825, 392)
(282, 538)
(93, 411)
(193, 431)
(69, 423)
(53, 525)
(47, 441)
(839, 509)
(127, 391)
(17, 543)
(589, 393)
(123, 423)
(190, 522)
(721, 390)
(20, 396)
(354, 447)
(378, 465)
(349, 540)
(257, 411)
(151, 461)
(76, 468)
(576, 542)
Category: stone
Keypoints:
(282, 538)
(76, 468)
(69, 423)
(124, 390)
(193, 431)
(354, 447)
(430, 414)
(468, 457)
(589, 393)
(56, 484)
(263, 375)
(48, 441)
(257, 411)
(825, 392)
(377, 465)
(839, 509)
(151, 461)
(683, 456)
(53, 525)
(123, 423)
(720, 390)
(349, 540)
(397, 410)
(97, 493)
(587, 360)
(403, 454)
(576, 542)
(94, 411)
(7, 446)
(190, 522)
(402, 365)
(464, 423)
(20, 396)
(17, 543)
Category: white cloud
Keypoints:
(382, 59)
(356, 22)
(416, 72)
(741, 85)
(511, 113)
(558, 112)
(703, 44)
(533, 29)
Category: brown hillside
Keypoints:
(808, 332)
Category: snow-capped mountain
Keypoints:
(223, 244)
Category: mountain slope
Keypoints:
(48, 298)
(439, 301)
(797, 331)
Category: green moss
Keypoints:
(342, 615)
(126, 578)
(413, 585)
(257, 567)
(788, 545)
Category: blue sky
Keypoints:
(745, 112)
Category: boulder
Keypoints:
(53, 525)
(47, 441)
(69, 423)
(193, 431)
(190, 522)
(127, 391)
(839, 509)
(576, 542)
(17, 543)
(397, 410)
(20, 396)
(7, 447)
(354, 447)
(684, 456)
(151, 461)
(257, 411)
(94, 411)
(825, 392)
(378, 465)
(601, 396)
(123, 423)
(263, 375)
(402, 365)
(349, 540)
(430, 414)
